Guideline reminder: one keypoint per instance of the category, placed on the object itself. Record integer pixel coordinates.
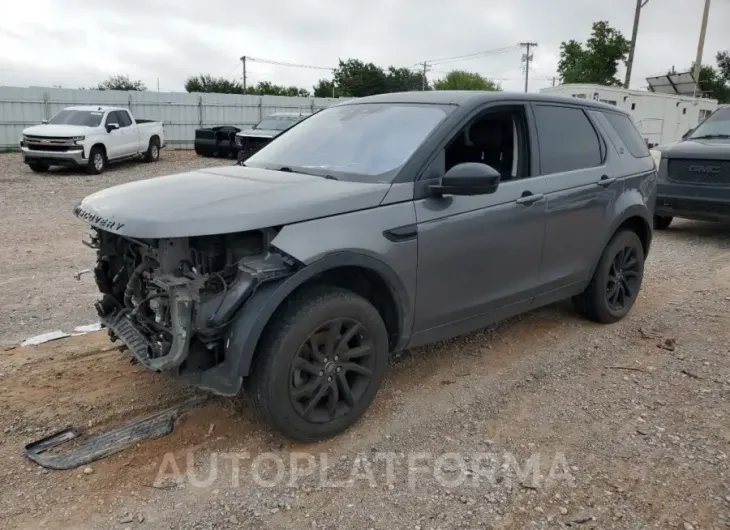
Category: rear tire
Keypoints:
(662, 222)
(616, 281)
(97, 161)
(153, 151)
(38, 167)
(319, 364)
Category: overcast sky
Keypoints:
(76, 43)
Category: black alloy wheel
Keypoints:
(622, 284)
(331, 370)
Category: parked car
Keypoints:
(216, 141)
(91, 137)
(378, 224)
(251, 140)
(694, 173)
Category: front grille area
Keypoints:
(706, 172)
(51, 147)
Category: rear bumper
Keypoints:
(703, 203)
(54, 158)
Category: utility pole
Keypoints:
(701, 46)
(243, 59)
(527, 58)
(632, 47)
(423, 80)
(553, 80)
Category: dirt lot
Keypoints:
(627, 424)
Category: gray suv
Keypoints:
(375, 225)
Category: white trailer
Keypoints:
(661, 118)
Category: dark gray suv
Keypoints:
(376, 225)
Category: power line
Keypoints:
(290, 65)
(472, 55)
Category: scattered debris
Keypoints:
(649, 333)
(79, 274)
(691, 374)
(45, 337)
(625, 368)
(668, 344)
(88, 328)
(88, 470)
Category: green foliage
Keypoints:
(220, 85)
(713, 82)
(723, 64)
(325, 88)
(120, 82)
(597, 61)
(357, 79)
(463, 80)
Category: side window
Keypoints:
(497, 138)
(112, 117)
(124, 119)
(628, 133)
(567, 139)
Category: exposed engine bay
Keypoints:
(170, 301)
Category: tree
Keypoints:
(207, 83)
(404, 80)
(713, 82)
(221, 85)
(723, 63)
(325, 88)
(358, 79)
(597, 61)
(463, 80)
(120, 82)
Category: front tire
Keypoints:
(38, 167)
(97, 161)
(661, 222)
(616, 281)
(319, 364)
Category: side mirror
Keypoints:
(469, 178)
(44, 122)
(111, 127)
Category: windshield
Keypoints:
(361, 142)
(716, 126)
(85, 118)
(278, 123)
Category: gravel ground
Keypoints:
(42, 240)
(544, 421)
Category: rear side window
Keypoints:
(630, 136)
(567, 139)
(124, 119)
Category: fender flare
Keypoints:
(245, 331)
(635, 210)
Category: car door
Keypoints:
(115, 137)
(130, 137)
(478, 256)
(580, 190)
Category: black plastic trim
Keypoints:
(402, 233)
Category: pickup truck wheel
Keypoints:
(616, 282)
(97, 161)
(153, 151)
(38, 167)
(319, 364)
(661, 222)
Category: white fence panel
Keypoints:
(181, 112)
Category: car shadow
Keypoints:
(686, 230)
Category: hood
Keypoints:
(57, 130)
(222, 200)
(710, 149)
(260, 133)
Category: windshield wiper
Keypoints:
(710, 137)
(287, 169)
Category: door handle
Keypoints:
(529, 198)
(606, 181)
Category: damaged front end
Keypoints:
(170, 301)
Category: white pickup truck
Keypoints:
(91, 137)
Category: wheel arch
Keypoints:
(363, 274)
(635, 218)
